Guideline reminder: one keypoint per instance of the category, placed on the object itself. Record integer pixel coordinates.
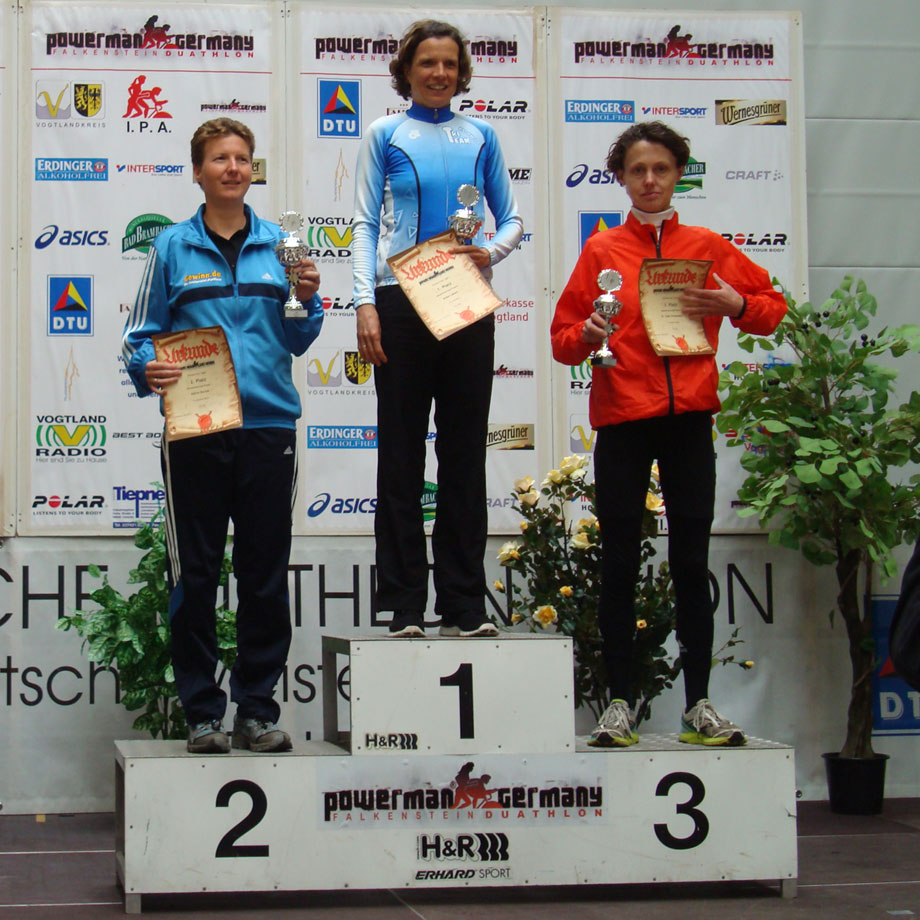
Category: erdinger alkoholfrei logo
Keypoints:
(339, 108)
(608, 110)
(591, 222)
(70, 305)
(677, 47)
(467, 797)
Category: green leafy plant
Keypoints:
(560, 561)
(821, 447)
(133, 634)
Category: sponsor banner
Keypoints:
(510, 436)
(895, 704)
(750, 111)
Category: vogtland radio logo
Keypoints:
(339, 109)
(70, 305)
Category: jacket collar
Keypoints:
(636, 226)
(259, 230)
(433, 116)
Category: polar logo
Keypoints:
(52, 232)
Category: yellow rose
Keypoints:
(747, 664)
(499, 585)
(524, 525)
(655, 474)
(572, 463)
(523, 485)
(553, 477)
(653, 502)
(517, 618)
(509, 551)
(566, 591)
(641, 624)
(546, 615)
(585, 523)
(581, 541)
(530, 498)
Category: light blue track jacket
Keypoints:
(187, 283)
(409, 169)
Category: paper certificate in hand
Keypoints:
(660, 284)
(206, 397)
(446, 288)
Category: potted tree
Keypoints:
(823, 446)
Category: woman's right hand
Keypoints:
(160, 375)
(369, 346)
(594, 329)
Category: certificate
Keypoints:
(206, 397)
(660, 284)
(446, 288)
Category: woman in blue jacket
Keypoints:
(219, 269)
(409, 170)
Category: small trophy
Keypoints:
(609, 280)
(289, 251)
(465, 222)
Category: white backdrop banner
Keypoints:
(731, 84)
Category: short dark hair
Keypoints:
(219, 127)
(655, 132)
(408, 44)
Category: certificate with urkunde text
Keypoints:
(206, 397)
(669, 330)
(446, 288)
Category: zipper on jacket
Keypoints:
(665, 359)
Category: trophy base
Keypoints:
(292, 311)
(603, 361)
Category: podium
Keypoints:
(459, 767)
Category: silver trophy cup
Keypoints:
(466, 222)
(289, 251)
(608, 307)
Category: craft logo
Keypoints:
(580, 378)
(233, 106)
(70, 437)
(753, 175)
(510, 436)
(674, 111)
(674, 49)
(60, 104)
(341, 437)
(150, 39)
(692, 179)
(591, 222)
(460, 847)
(750, 112)
(70, 304)
(132, 508)
(71, 169)
(328, 241)
(324, 502)
(594, 176)
(611, 110)
(357, 370)
(355, 48)
(140, 232)
(503, 372)
(467, 798)
(339, 108)
(151, 169)
(494, 110)
(52, 232)
(758, 242)
(581, 434)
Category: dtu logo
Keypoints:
(70, 305)
(339, 108)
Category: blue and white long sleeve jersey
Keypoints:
(188, 284)
(409, 169)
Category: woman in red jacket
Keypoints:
(651, 406)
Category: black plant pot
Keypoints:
(855, 785)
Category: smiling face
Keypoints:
(225, 173)
(434, 71)
(649, 175)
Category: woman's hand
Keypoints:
(160, 375)
(699, 302)
(307, 275)
(481, 256)
(594, 329)
(369, 346)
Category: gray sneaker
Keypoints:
(259, 736)
(615, 727)
(702, 724)
(207, 738)
(469, 623)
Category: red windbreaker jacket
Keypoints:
(643, 384)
